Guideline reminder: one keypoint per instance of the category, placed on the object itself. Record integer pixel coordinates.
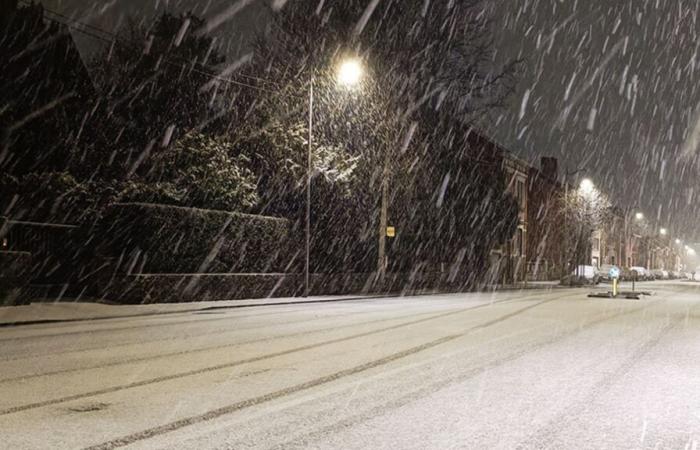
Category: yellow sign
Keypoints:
(390, 232)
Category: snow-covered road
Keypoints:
(519, 369)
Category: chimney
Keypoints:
(549, 167)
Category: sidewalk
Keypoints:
(38, 313)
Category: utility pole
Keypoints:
(383, 221)
(308, 191)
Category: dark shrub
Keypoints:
(152, 238)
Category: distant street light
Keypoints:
(639, 216)
(349, 74)
(678, 242)
(663, 232)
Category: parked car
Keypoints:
(582, 275)
(604, 272)
(642, 274)
(626, 274)
(660, 274)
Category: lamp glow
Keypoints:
(350, 72)
(587, 186)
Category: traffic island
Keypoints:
(614, 275)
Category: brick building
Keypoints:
(508, 262)
(515, 251)
(545, 245)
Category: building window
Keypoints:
(596, 244)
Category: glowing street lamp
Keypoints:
(350, 72)
(587, 186)
(678, 242)
(663, 231)
(639, 216)
(349, 75)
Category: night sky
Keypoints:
(608, 85)
(611, 86)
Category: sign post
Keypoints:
(614, 276)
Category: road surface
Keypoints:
(519, 369)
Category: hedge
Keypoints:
(153, 238)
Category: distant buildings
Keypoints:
(545, 245)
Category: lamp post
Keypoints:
(567, 257)
(349, 74)
(638, 217)
(586, 191)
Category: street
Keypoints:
(511, 369)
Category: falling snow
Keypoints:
(349, 224)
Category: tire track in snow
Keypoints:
(545, 435)
(194, 322)
(110, 346)
(197, 321)
(445, 383)
(108, 390)
(193, 318)
(204, 349)
(235, 407)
